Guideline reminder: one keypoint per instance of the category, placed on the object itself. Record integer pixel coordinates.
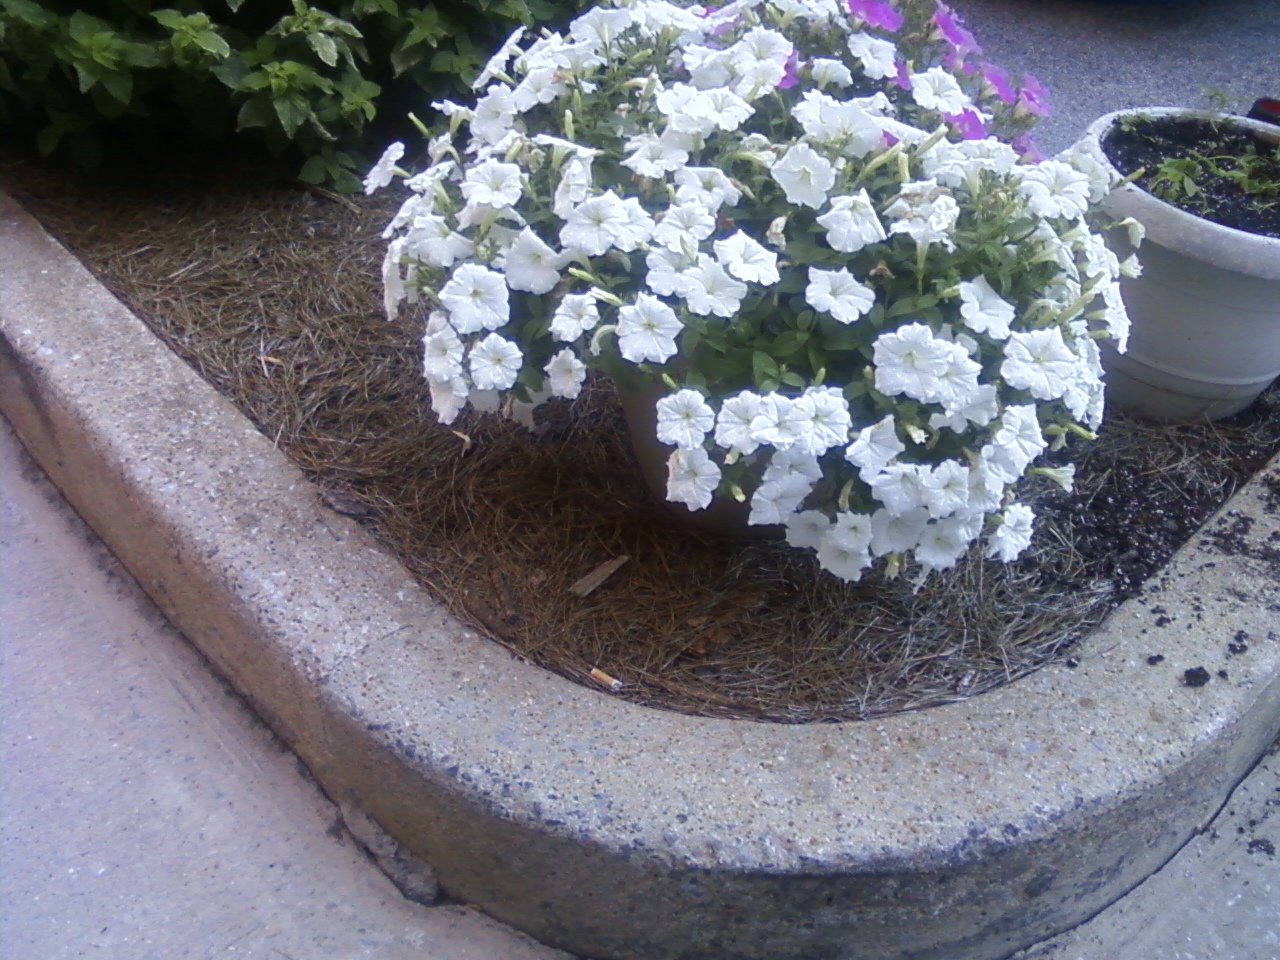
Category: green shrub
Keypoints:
(298, 74)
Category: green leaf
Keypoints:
(48, 138)
(235, 5)
(763, 366)
(232, 71)
(292, 111)
(119, 85)
(32, 14)
(172, 19)
(789, 342)
(256, 112)
(324, 47)
(210, 42)
(315, 170)
(84, 28)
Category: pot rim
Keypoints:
(1177, 229)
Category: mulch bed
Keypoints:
(272, 292)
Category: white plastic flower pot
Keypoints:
(1206, 310)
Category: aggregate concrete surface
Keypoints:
(147, 813)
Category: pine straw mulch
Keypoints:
(272, 293)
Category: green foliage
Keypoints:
(312, 78)
(1183, 179)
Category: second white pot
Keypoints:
(1206, 310)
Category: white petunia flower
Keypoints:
(393, 287)
(383, 172)
(477, 299)
(1040, 362)
(936, 89)
(910, 360)
(684, 223)
(852, 223)
(498, 62)
(836, 292)
(565, 374)
(804, 175)
(839, 123)
(492, 184)
(984, 310)
(805, 529)
(595, 224)
(943, 542)
(692, 477)
(788, 460)
(448, 397)
(655, 156)
(600, 28)
(901, 486)
(543, 86)
(946, 489)
(780, 421)
(495, 363)
(775, 500)
(1017, 442)
(874, 448)
(707, 186)
(829, 421)
(442, 353)
(430, 239)
(1014, 533)
(722, 108)
(495, 113)
(667, 269)
(733, 422)
(574, 186)
(684, 419)
(878, 57)
(747, 260)
(647, 330)
(531, 265)
(832, 73)
(1116, 316)
(575, 315)
(845, 547)
(638, 228)
(1055, 189)
(925, 212)
(709, 290)
(897, 532)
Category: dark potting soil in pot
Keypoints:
(1216, 156)
(272, 292)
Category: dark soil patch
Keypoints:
(272, 293)
(1220, 158)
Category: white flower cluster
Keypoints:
(870, 326)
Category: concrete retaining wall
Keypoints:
(609, 829)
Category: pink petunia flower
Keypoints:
(969, 123)
(1033, 98)
(789, 76)
(999, 82)
(1028, 150)
(877, 13)
(903, 78)
(951, 26)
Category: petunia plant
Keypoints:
(819, 228)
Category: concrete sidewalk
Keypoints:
(148, 814)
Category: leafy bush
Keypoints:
(300, 74)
